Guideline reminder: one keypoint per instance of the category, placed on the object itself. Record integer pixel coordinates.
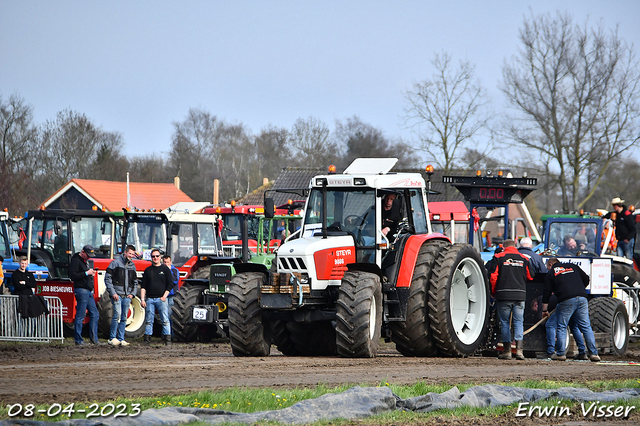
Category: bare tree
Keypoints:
(360, 139)
(311, 144)
(67, 149)
(575, 92)
(448, 112)
(17, 141)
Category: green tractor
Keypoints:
(200, 307)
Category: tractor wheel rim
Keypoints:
(468, 301)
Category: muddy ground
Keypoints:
(65, 373)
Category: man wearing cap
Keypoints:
(81, 273)
(625, 225)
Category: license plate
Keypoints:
(199, 314)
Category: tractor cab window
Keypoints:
(583, 233)
(146, 236)
(350, 212)
(417, 212)
(182, 244)
(93, 231)
(4, 243)
(207, 239)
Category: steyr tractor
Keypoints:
(344, 283)
(200, 308)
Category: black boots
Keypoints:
(167, 339)
(147, 339)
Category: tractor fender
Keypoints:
(409, 256)
(250, 267)
(365, 267)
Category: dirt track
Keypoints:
(41, 373)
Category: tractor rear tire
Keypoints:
(188, 296)
(609, 315)
(459, 301)
(313, 339)
(105, 311)
(624, 276)
(248, 333)
(359, 315)
(413, 336)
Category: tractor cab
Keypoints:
(192, 240)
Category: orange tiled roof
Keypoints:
(113, 195)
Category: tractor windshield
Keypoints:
(584, 234)
(145, 236)
(352, 211)
(93, 231)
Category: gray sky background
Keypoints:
(137, 67)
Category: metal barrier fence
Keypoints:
(45, 328)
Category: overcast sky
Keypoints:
(135, 67)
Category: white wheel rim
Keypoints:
(135, 316)
(468, 301)
(373, 312)
(619, 331)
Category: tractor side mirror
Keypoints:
(269, 208)
(175, 229)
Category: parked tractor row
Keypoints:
(327, 279)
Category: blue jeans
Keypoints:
(578, 307)
(505, 309)
(626, 249)
(119, 317)
(552, 325)
(85, 302)
(170, 311)
(150, 311)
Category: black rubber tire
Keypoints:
(314, 339)
(188, 296)
(625, 276)
(456, 332)
(201, 273)
(248, 333)
(609, 315)
(281, 337)
(134, 330)
(105, 311)
(413, 336)
(357, 332)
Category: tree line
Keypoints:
(571, 96)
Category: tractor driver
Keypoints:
(391, 215)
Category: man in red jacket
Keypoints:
(508, 272)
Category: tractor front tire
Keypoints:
(248, 333)
(459, 301)
(609, 315)
(188, 296)
(359, 315)
(413, 336)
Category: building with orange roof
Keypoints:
(112, 196)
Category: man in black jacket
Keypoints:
(156, 285)
(568, 282)
(81, 273)
(625, 223)
(23, 280)
(508, 272)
